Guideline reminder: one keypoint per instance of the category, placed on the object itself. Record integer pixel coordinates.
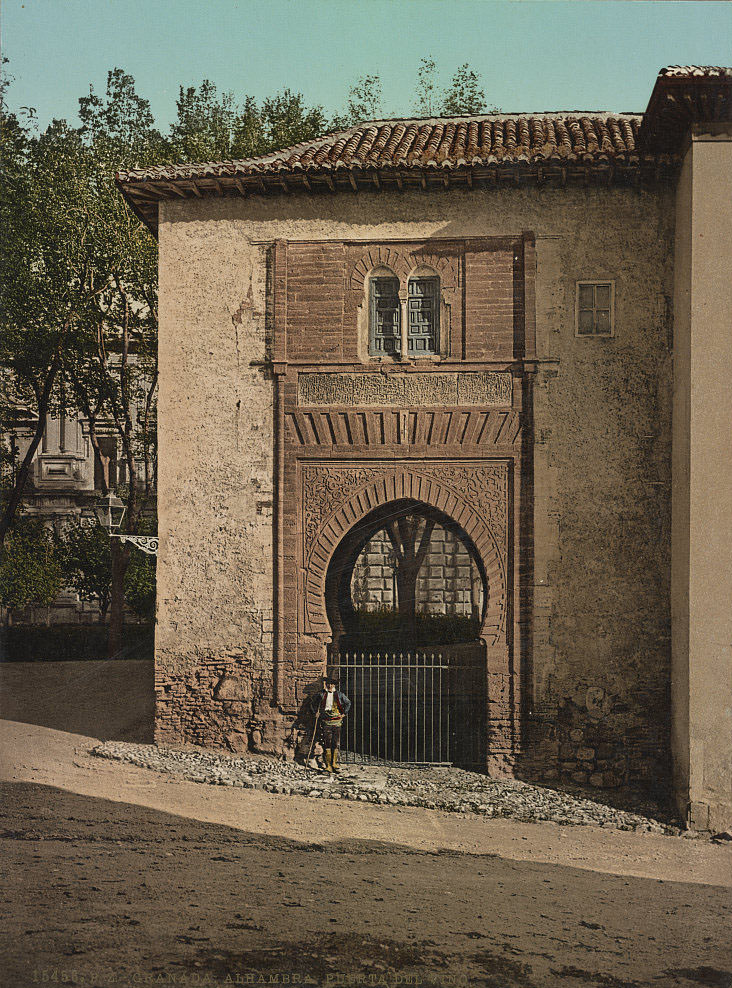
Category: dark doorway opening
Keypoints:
(405, 595)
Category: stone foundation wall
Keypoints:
(599, 739)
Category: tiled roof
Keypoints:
(487, 150)
(696, 71)
(422, 153)
(685, 95)
(445, 142)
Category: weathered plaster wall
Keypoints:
(702, 546)
(600, 651)
(681, 461)
(601, 633)
(214, 620)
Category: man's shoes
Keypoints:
(335, 761)
(328, 760)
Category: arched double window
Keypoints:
(422, 316)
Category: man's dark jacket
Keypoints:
(340, 698)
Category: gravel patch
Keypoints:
(449, 789)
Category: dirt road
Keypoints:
(117, 876)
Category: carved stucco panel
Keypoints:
(418, 389)
(481, 487)
(325, 488)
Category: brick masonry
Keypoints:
(578, 648)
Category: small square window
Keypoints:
(595, 308)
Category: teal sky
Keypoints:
(545, 55)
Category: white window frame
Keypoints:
(610, 282)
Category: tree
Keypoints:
(113, 371)
(211, 126)
(47, 284)
(86, 559)
(364, 103)
(30, 570)
(206, 126)
(140, 585)
(426, 96)
(286, 120)
(464, 94)
(410, 536)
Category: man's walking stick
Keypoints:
(312, 740)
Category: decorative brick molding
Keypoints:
(402, 263)
(352, 438)
(473, 495)
(468, 430)
(321, 319)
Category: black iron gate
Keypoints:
(422, 707)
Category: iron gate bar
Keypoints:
(449, 695)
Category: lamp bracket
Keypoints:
(147, 543)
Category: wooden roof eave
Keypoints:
(147, 215)
(144, 197)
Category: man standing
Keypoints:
(332, 705)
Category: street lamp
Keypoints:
(109, 511)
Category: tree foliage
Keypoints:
(30, 567)
(140, 585)
(464, 94)
(85, 553)
(86, 559)
(364, 103)
(211, 126)
(427, 97)
(79, 279)
(47, 283)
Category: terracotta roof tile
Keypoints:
(697, 71)
(686, 95)
(445, 142)
(489, 148)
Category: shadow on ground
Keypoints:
(109, 700)
(112, 891)
(114, 701)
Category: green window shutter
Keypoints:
(384, 321)
(423, 334)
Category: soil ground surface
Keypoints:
(117, 875)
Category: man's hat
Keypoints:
(332, 676)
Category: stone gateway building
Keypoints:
(464, 382)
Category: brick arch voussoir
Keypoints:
(376, 257)
(442, 265)
(428, 491)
